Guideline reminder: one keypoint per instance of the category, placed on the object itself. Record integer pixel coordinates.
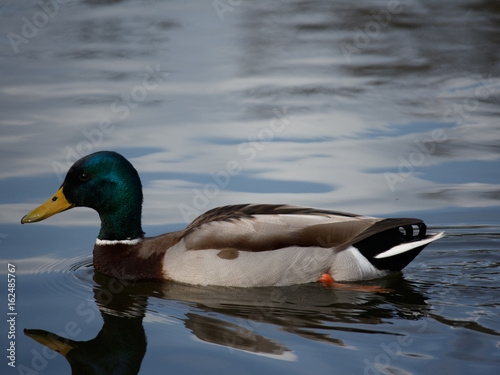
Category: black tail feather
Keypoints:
(378, 243)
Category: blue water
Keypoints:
(382, 108)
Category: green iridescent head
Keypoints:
(106, 182)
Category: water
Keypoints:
(380, 107)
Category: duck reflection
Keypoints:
(120, 345)
(229, 317)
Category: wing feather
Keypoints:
(269, 227)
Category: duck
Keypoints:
(241, 245)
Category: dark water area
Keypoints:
(385, 108)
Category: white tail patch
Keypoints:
(399, 249)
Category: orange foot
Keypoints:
(326, 280)
(329, 283)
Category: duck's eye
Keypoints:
(83, 177)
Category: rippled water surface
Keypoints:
(385, 108)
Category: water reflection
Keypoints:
(120, 345)
(361, 101)
(229, 317)
(361, 84)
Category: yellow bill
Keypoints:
(54, 205)
(52, 341)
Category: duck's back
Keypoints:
(260, 245)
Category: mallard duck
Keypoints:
(241, 245)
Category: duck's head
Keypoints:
(106, 182)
